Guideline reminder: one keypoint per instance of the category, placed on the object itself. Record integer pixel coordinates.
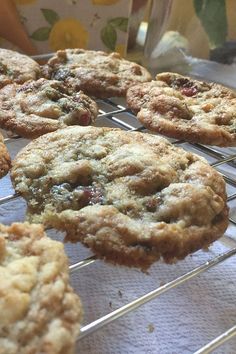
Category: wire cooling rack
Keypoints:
(113, 113)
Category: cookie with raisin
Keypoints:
(183, 108)
(17, 67)
(38, 107)
(95, 72)
(133, 198)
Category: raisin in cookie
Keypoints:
(16, 67)
(183, 108)
(95, 72)
(130, 197)
(42, 106)
(5, 161)
(40, 313)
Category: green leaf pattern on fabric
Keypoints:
(109, 32)
(50, 16)
(41, 34)
(212, 14)
(119, 22)
(109, 36)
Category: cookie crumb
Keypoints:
(151, 328)
(120, 294)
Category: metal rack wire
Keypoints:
(112, 113)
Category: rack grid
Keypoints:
(113, 113)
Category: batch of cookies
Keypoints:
(131, 197)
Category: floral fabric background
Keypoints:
(59, 24)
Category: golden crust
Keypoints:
(16, 67)
(187, 109)
(131, 197)
(96, 73)
(5, 161)
(42, 106)
(40, 313)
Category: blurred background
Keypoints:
(196, 37)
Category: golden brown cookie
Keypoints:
(42, 106)
(5, 161)
(131, 197)
(16, 67)
(96, 73)
(183, 108)
(40, 313)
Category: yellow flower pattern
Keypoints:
(61, 31)
(68, 33)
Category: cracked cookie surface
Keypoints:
(41, 106)
(17, 67)
(96, 73)
(5, 161)
(131, 197)
(40, 313)
(183, 108)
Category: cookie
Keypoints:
(183, 108)
(5, 161)
(42, 106)
(16, 67)
(40, 313)
(131, 197)
(96, 73)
